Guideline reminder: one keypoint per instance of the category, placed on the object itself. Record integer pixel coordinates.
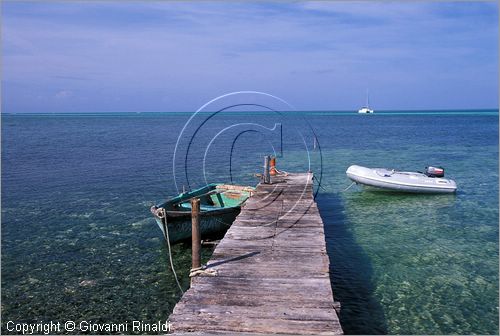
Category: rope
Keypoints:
(320, 185)
(165, 226)
(202, 271)
(281, 172)
(353, 183)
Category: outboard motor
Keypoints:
(434, 171)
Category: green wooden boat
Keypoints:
(219, 206)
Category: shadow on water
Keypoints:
(351, 272)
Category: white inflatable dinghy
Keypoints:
(432, 181)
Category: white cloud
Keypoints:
(63, 94)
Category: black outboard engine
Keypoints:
(434, 171)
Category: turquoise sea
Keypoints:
(79, 243)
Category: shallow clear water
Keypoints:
(78, 241)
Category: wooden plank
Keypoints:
(288, 284)
(272, 271)
(224, 312)
(190, 323)
(254, 300)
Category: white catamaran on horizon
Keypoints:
(366, 109)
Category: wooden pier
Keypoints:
(272, 270)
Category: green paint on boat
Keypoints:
(219, 205)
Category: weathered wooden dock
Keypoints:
(272, 270)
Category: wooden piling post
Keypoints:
(267, 175)
(195, 233)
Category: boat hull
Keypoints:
(219, 206)
(390, 180)
(179, 227)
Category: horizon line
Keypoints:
(242, 111)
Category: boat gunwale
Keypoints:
(184, 197)
(203, 191)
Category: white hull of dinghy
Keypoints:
(390, 180)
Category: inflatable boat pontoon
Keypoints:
(432, 181)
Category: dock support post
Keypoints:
(195, 234)
(267, 175)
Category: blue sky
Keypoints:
(115, 56)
